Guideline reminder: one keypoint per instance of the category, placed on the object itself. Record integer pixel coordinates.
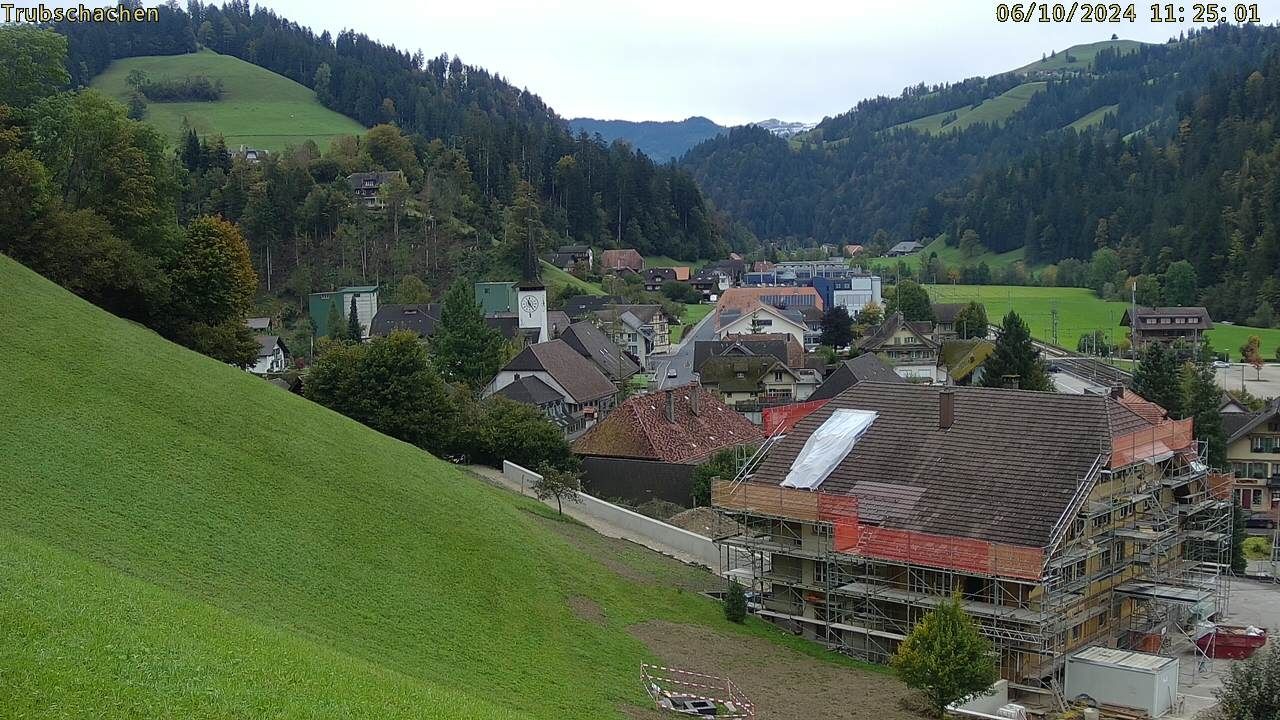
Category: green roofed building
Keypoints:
(366, 297)
(496, 298)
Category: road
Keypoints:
(681, 358)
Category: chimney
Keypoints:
(1117, 391)
(946, 408)
(671, 406)
(695, 404)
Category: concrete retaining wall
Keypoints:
(651, 533)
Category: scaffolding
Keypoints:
(1142, 526)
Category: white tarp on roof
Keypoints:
(827, 447)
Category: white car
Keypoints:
(1220, 364)
(672, 373)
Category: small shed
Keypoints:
(1125, 678)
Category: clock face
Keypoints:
(530, 304)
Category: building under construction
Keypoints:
(1060, 520)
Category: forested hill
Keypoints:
(885, 164)
(661, 141)
(586, 191)
(1203, 185)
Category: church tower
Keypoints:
(531, 297)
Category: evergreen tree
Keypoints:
(1015, 357)
(1201, 396)
(354, 330)
(333, 328)
(465, 349)
(1239, 563)
(971, 321)
(1156, 378)
(945, 657)
(735, 602)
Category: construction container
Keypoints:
(1232, 641)
(1124, 678)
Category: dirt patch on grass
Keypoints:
(705, 522)
(782, 683)
(587, 609)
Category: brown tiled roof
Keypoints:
(744, 300)
(638, 428)
(591, 343)
(627, 258)
(577, 375)
(1005, 471)
(875, 340)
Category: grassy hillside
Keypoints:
(259, 109)
(1093, 118)
(555, 279)
(181, 539)
(1082, 55)
(993, 111)
(952, 257)
(1080, 311)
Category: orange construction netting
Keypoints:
(907, 546)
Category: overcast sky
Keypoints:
(733, 62)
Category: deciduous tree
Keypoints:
(388, 384)
(837, 327)
(563, 485)
(945, 657)
(31, 64)
(912, 300)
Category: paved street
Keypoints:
(681, 359)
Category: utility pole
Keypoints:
(1053, 311)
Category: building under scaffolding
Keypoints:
(1061, 521)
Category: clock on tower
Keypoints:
(531, 307)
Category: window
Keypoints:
(1120, 551)
(1076, 632)
(1240, 469)
(1104, 616)
(1101, 521)
(1126, 511)
(777, 376)
(1258, 470)
(1106, 558)
(1262, 443)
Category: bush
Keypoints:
(198, 88)
(1251, 690)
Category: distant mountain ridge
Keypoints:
(660, 140)
(665, 140)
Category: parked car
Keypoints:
(1260, 520)
(672, 373)
(1221, 364)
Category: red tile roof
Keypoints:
(1143, 407)
(745, 300)
(638, 428)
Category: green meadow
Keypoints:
(258, 109)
